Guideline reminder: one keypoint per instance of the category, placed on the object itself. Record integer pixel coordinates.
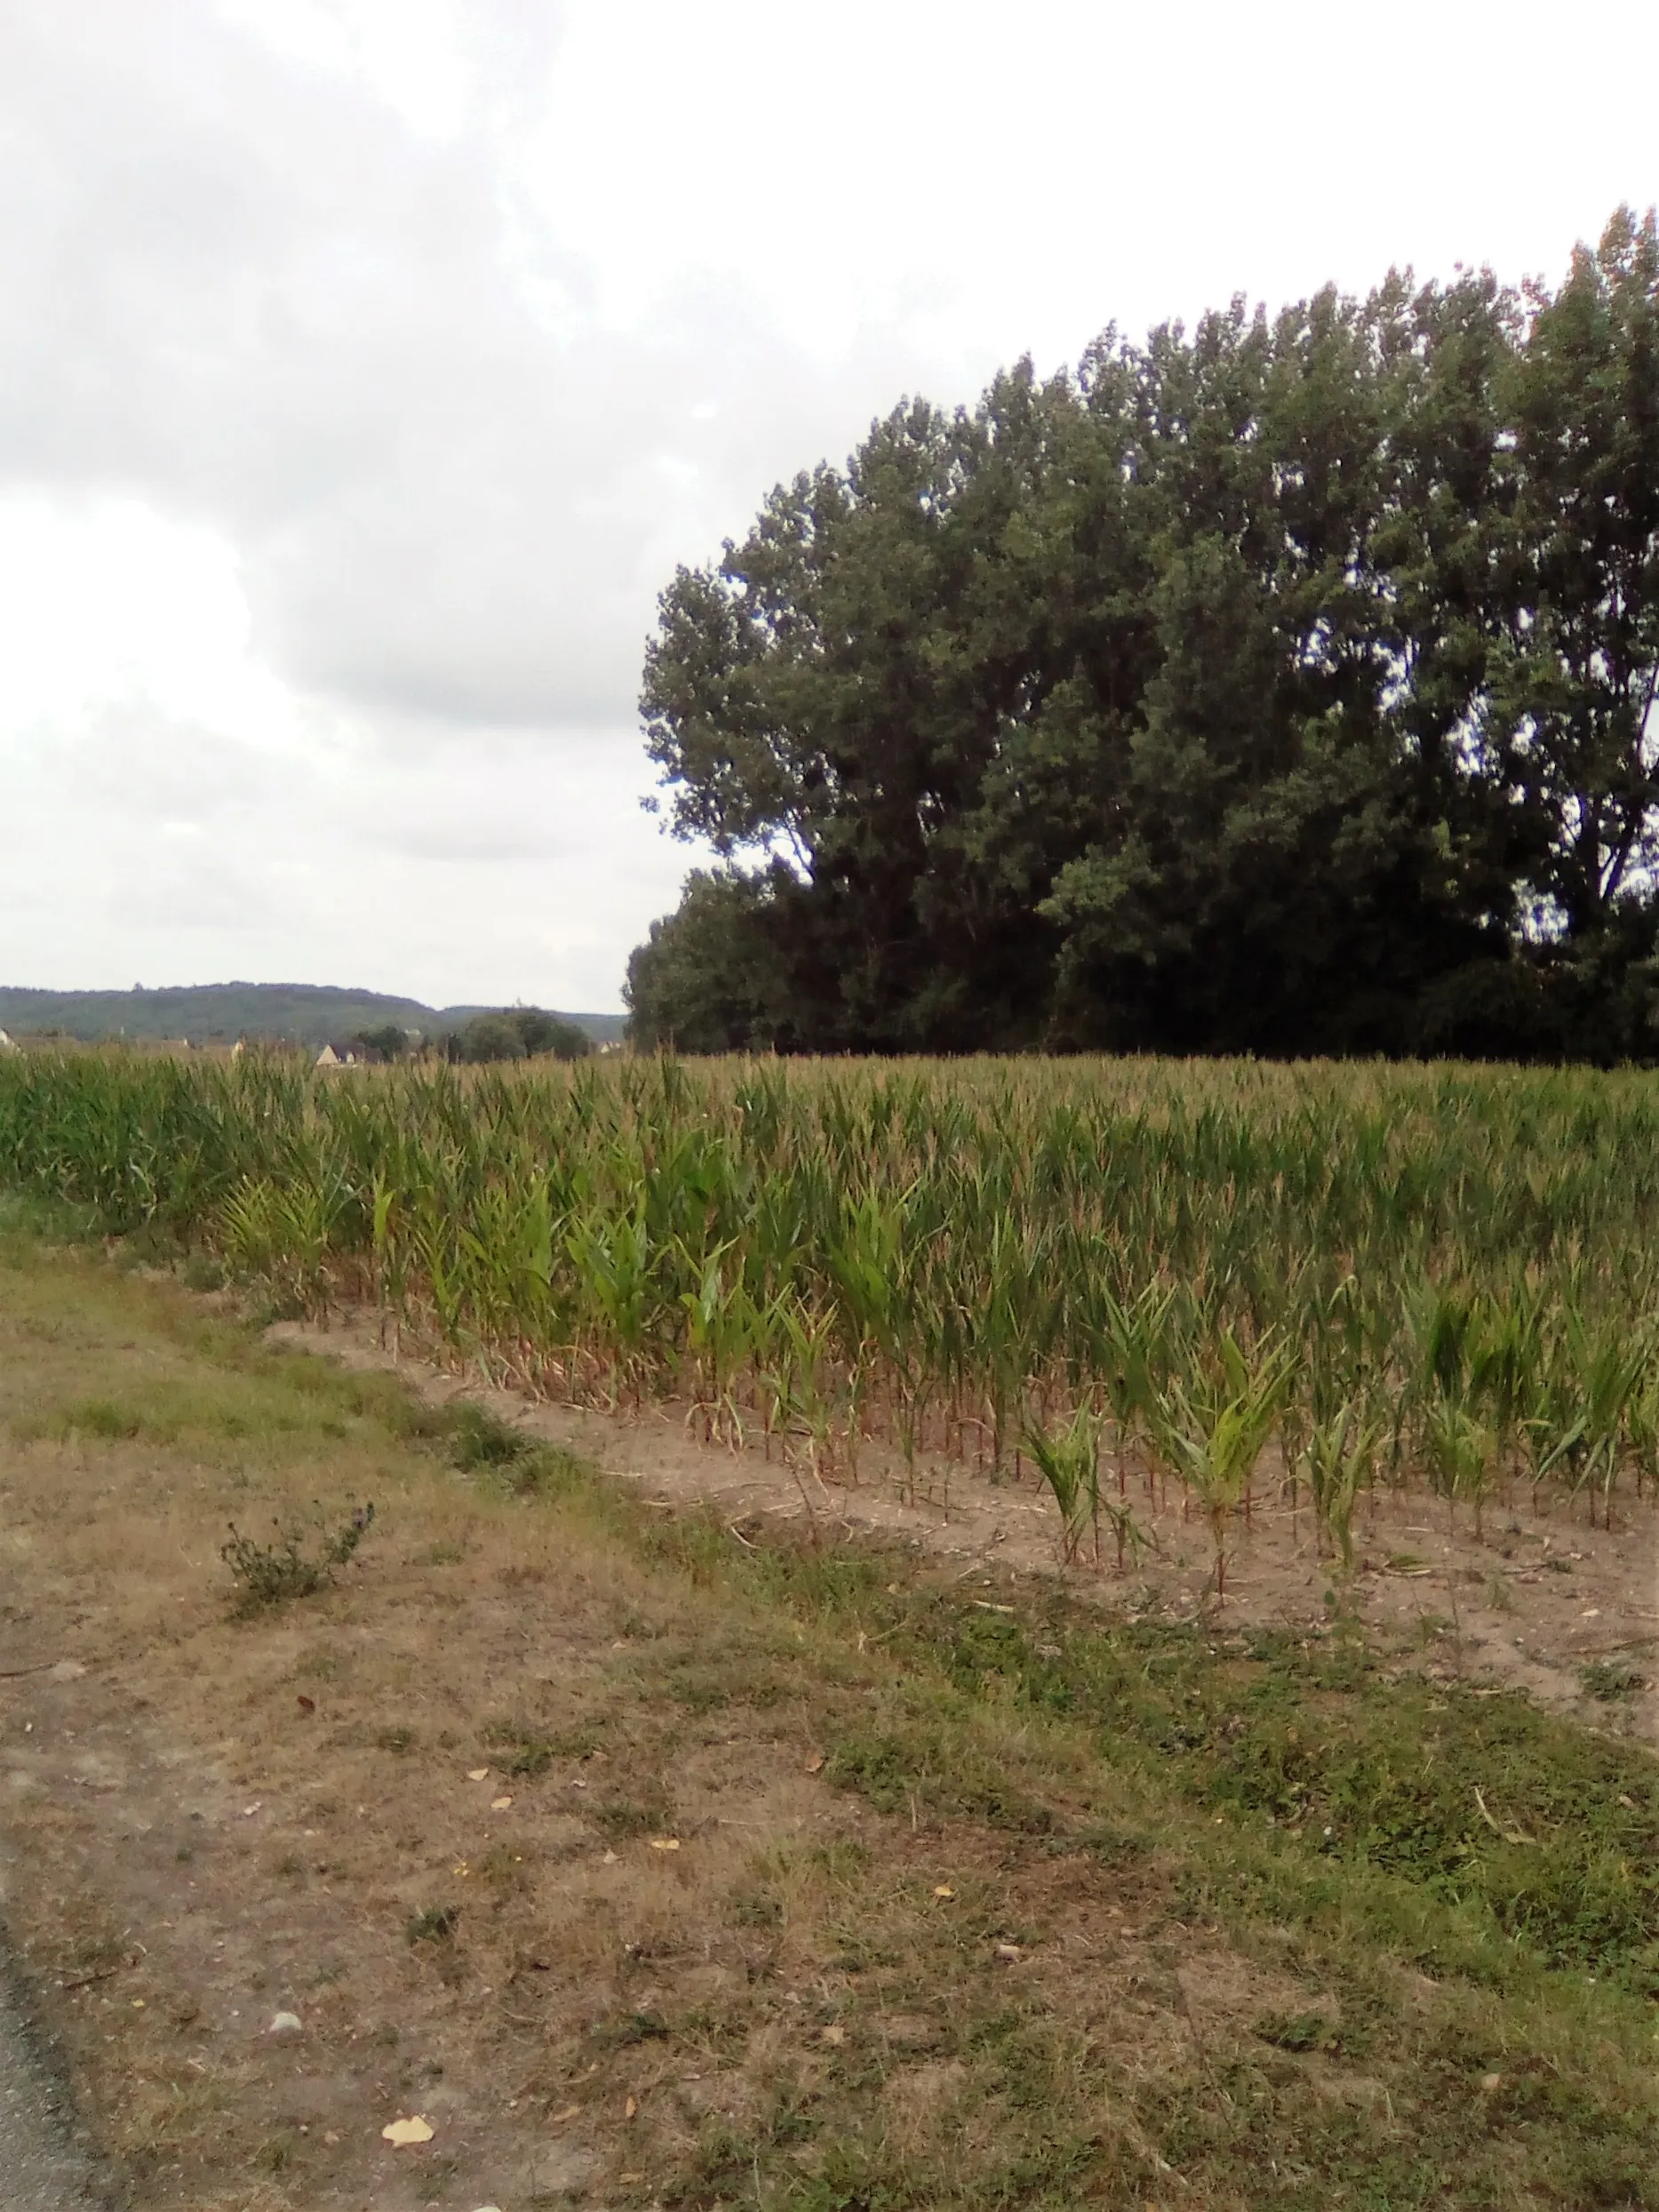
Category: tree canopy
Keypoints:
(518, 1033)
(1287, 686)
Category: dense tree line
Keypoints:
(1287, 686)
(517, 1032)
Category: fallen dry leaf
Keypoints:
(815, 1765)
(499, 1804)
(412, 2131)
(570, 2111)
(477, 1774)
(307, 1705)
(630, 2108)
(1010, 1951)
(609, 1859)
(944, 1889)
(664, 1843)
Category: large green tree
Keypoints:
(1572, 699)
(1285, 686)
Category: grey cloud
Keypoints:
(193, 892)
(472, 844)
(134, 849)
(155, 767)
(244, 289)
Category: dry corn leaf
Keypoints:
(570, 2111)
(414, 2129)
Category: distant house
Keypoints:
(340, 1055)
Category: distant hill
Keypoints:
(219, 1013)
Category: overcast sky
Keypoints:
(367, 366)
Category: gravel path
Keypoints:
(40, 2169)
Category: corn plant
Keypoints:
(1459, 1450)
(1339, 1453)
(1214, 1426)
(1068, 1460)
(720, 1323)
(942, 1257)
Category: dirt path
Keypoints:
(1540, 1602)
(42, 2169)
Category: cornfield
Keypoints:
(1121, 1273)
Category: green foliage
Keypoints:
(1215, 1427)
(476, 1439)
(709, 977)
(1611, 1679)
(435, 1924)
(1289, 686)
(479, 1438)
(1339, 1456)
(1068, 1460)
(1313, 1272)
(291, 1565)
(518, 1033)
(1544, 1833)
(389, 1041)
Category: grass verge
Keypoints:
(792, 1876)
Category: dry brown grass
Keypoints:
(803, 2001)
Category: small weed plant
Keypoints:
(289, 1565)
(1608, 1680)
